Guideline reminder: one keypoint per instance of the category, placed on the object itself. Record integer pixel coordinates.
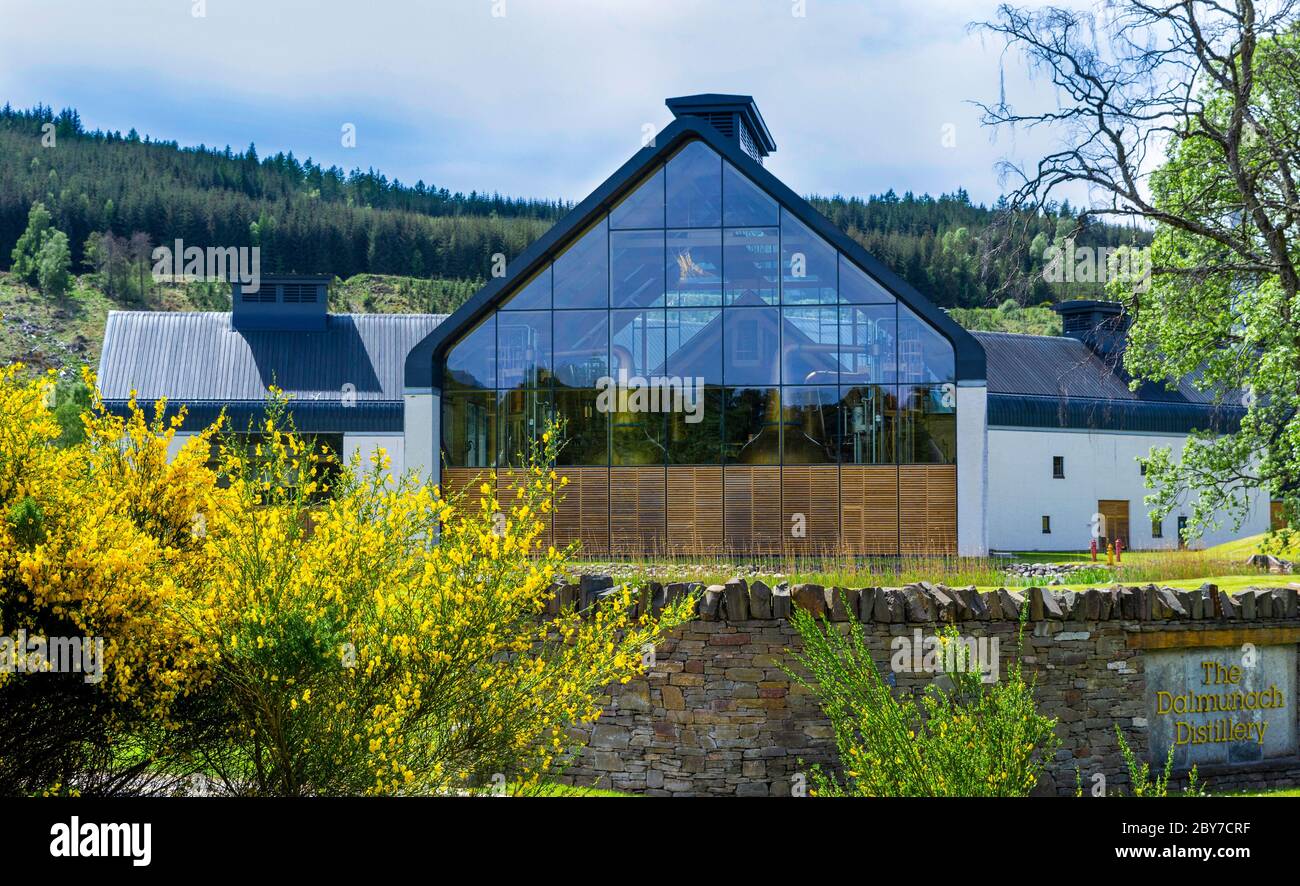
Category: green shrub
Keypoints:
(962, 738)
(1139, 774)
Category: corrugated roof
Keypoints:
(199, 360)
(1058, 381)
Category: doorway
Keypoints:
(1115, 516)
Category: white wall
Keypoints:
(972, 470)
(422, 412)
(1098, 465)
(366, 444)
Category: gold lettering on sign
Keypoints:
(1220, 699)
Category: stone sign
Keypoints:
(1223, 704)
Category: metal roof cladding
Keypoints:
(346, 377)
(1044, 381)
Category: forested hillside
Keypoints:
(310, 219)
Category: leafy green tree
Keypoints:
(54, 264)
(1211, 88)
(26, 253)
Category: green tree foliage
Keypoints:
(27, 250)
(54, 264)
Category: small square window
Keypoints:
(1058, 467)
(1142, 469)
(1157, 529)
(1047, 525)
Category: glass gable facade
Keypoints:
(699, 276)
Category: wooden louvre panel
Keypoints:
(507, 491)
(810, 506)
(752, 498)
(468, 481)
(869, 509)
(637, 512)
(927, 506)
(694, 510)
(582, 510)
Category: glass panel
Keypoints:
(694, 188)
(524, 417)
(808, 264)
(638, 437)
(867, 346)
(809, 352)
(923, 354)
(637, 268)
(637, 339)
(524, 349)
(469, 429)
(582, 271)
(535, 295)
(927, 428)
(643, 208)
(753, 426)
(749, 264)
(808, 425)
(743, 202)
(581, 348)
(858, 288)
(695, 345)
(586, 428)
(868, 422)
(471, 362)
(694, 268)
(751, 340)
(695, 438)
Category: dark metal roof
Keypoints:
(424, 363)
(1059, 382)
(347, 377)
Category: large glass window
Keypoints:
(695, 344)
(753, 426)
(471, 362)
(694, 187)
(643, 208)
(749, 264)
(469, 421)
(868, 344)
(808, 425)
(808, 265)
(524, 349)
(743, 337)
(927, 428)
(809, 346)
(694, 268)
(581, 348)
(636, 269)
(535, 295)
(743, 202)
(752, 346)
(586, 428)
(582, 271)
(524, 416)
(868, 420)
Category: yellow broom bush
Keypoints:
(281, 624)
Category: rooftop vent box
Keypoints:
(735, 116)
(288, 303)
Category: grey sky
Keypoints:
(544, 101)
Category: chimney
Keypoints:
(297, 303)
(735, 116)
(1101, 325)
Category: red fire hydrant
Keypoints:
(1093, 546)
(1119, 550)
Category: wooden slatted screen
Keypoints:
(637, 514)
(582, 510)
(469, 481)
(694, 510)
(928, 508)
(869, 509)
(810, 492)
(753, 509)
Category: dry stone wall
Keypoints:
(717, 714)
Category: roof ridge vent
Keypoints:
(736, 117)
